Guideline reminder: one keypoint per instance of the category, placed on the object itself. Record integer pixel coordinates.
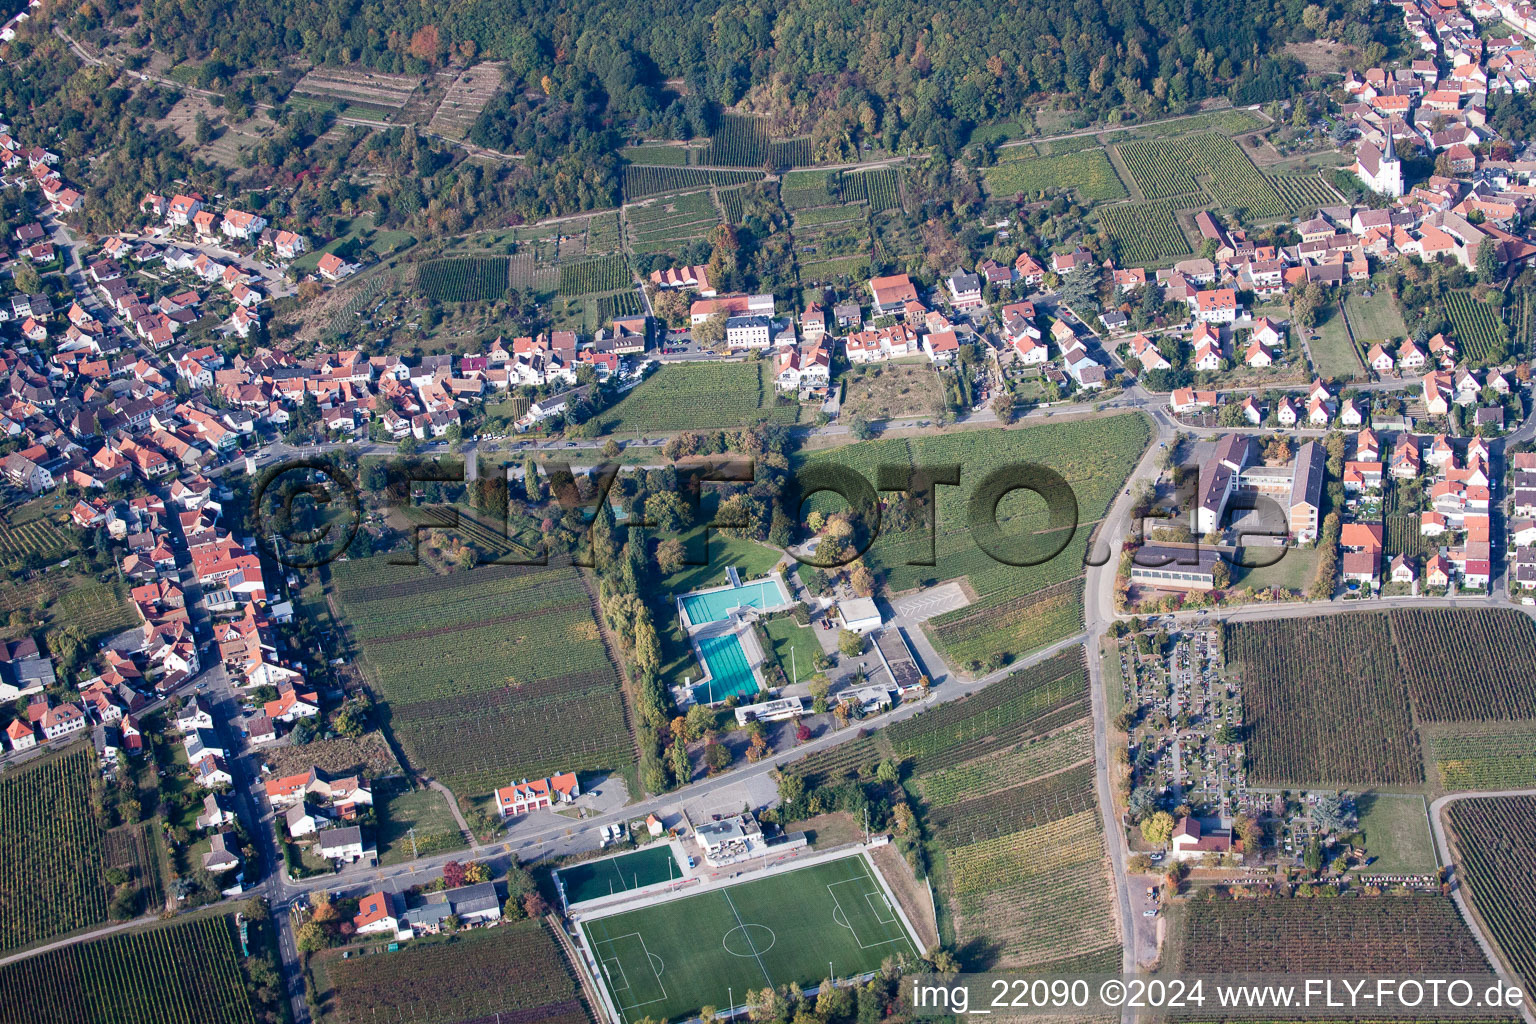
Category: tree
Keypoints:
(1247, 829)
(712, 331)
(700, 719)
(851, 644)
(1003, 406)
(670, 556)
(859, 428)
(1221, 575)
(453, 874)
(667, 512)
(311, 937)
(1158, 828)
(1313, 858)
(862, 580)
(682, 766)
(717, 756)
(1330, 812)
(1488, 266)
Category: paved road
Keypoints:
(1443, 848)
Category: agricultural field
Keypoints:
(50, 849)
(1092, 456)
(1003, 812)
(1399, 935)
(97, 609)
(515, 969)
(463, 279)
(641, 180)
(1302, 194)
(1473, 324)
(465, 98)
(699, 396)
(1468, 664)
(602, 274)
(659, 155)
(487, 672)
(1483, 759)
(37, 538)
(1087, 173)
(667, 223)
(1187, 164)
(1145, 233)
(1497, 842)
(185, 973)
(744, 142)
(1008, 627)
(1033, 758)
(880, 188)
(801, 189)
(668, 960)
(1343, 721)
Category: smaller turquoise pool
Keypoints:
(730, 675)
(715, 605)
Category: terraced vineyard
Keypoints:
(1303, 194)
(185, 973)
(1474, 324)
(38, 538)
(1497, 842)
(1146, 233)
(1169, 167)
(50, 849)
(667, 223)
(488, 673)
(1087, 173)
(880, 188)
(802, 189)
(603, 274)
(463, 279)
(699, 396)
(741, 141)
(640, 181)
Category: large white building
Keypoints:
(1381, 171)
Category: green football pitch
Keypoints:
(668, 960)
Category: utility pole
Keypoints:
(412, 833)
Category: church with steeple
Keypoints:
(1381, 171)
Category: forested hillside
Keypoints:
(900, 73)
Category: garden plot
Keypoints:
(465, 98)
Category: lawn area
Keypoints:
(788, 635)
(1375, 318)
(1397, 836)
(1294, 571)
(667, 961)
(380, 243)
(428, 812)
(1332, 354)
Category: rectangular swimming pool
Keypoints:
(730, 675)
(715, 605)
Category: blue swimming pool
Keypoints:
(730, 675)
(715, 605)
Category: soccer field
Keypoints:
(667, 961)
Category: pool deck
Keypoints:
(689, 626)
